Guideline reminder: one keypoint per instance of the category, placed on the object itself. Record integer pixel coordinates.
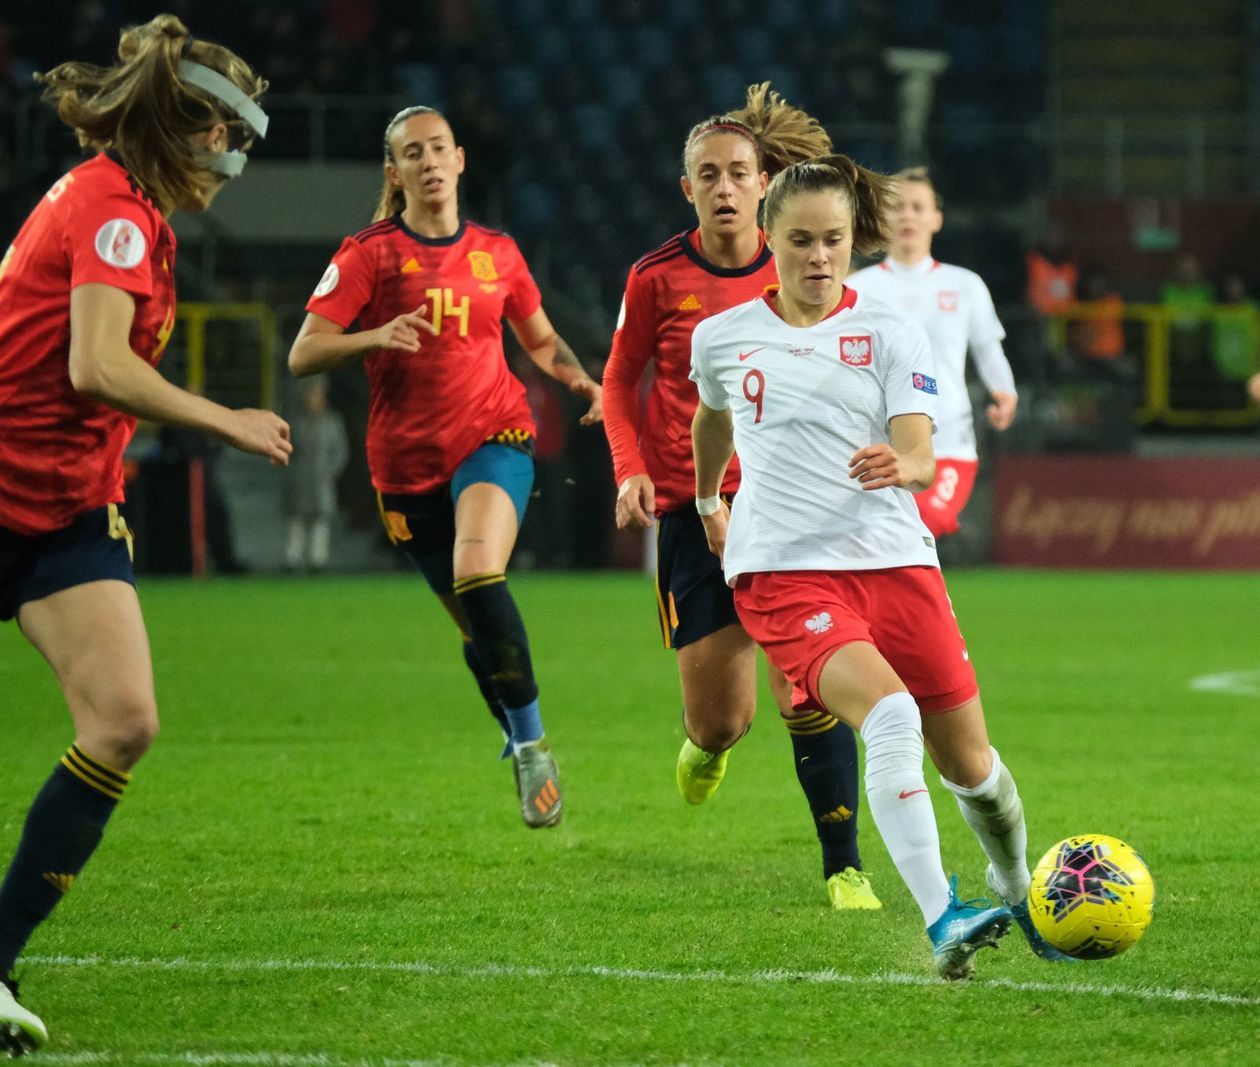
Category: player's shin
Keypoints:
(995, 814)
(502, 649)
(899, 800)
(488, 694)
(824, 753)
(63, 828)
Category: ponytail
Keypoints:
(141, 109)
(872, 197)
(781, 133)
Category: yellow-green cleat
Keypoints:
(850, 890)
(699, 772)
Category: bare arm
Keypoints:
(322, 345)
(556, 359)
(712, 445)
(907, 463)
(103, 366)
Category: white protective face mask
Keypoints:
(229, 164)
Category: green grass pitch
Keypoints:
(321, 864)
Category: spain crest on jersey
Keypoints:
(482, 264)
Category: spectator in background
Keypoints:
(1096, 339)
(1188, 299)
(1052, 277)
(1236, 331)
(321, 452)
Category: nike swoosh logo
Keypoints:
(907, 796)
(744, 355)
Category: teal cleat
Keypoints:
(1023, 919)
(965, 927)
(21, 1031)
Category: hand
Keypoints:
(1253, 387)
(403, 332)
(263, 433)
(589, 389)
(1001, 412)
(715, 527)
(881, 467)
(636, 501)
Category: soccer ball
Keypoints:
(1092, 896)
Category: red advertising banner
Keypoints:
(1096, 511)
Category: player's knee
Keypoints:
(125, 732)
(967, 766)
(714, 734)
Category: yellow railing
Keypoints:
(195, 317)
(1156, 352)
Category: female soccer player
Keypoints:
(722, 261)
(450, 436)
(955, 308)
(87, 303)
(828, 399)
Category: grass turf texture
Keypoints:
(321, 861)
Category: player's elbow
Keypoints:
(301, 359)
(88, 375)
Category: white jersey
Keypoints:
(803, 400)
(954, 306)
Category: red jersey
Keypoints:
(430, 410)
(668, 292)
(60, 451)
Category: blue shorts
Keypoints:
(423, 524)
(691, 591)
(96, 546)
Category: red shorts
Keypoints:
(800, 618)
(942, 502)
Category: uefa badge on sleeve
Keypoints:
(924, 383)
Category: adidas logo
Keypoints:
(690, 304)
(841, 814)
(60, 882)
(546, 797)
(411, 266)
(820, 623)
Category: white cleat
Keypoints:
(21, 1031)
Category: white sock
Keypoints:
(899, 800)
(995, 814)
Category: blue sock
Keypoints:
(526, 723)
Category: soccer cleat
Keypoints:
(1023, 919)
(21, 1031)
(850, 890)
(537, 784)
(965, 927)
(699, 772)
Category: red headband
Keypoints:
(732, 127)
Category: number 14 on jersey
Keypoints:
(442, 301)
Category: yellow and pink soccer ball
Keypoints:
(1092, 896)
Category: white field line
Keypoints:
(1235, 683)
(627, 974)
